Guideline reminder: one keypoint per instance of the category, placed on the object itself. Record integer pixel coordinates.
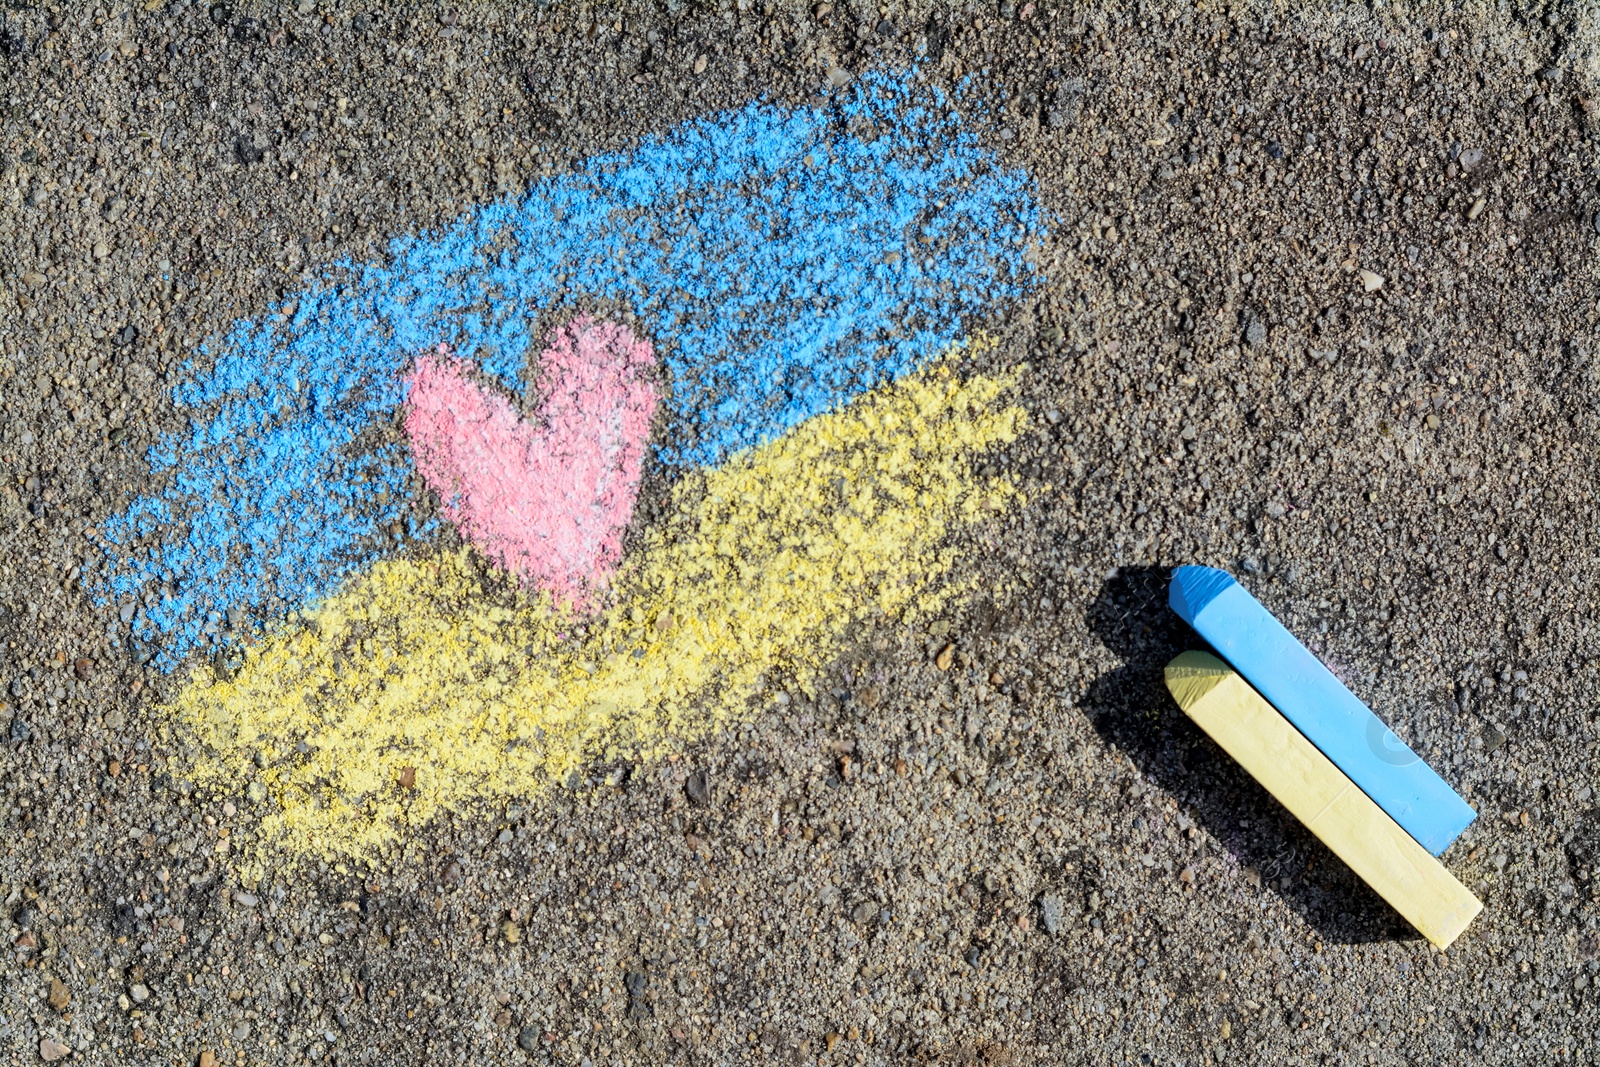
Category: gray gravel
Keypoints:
(1034, 859)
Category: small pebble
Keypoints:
(698, 786)
(1050, 913)
(1371, 281)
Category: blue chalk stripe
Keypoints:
(1330, 716)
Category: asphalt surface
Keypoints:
(1019, 853)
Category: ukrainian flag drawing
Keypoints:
(396, 556)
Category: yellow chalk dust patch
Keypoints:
(439, 666)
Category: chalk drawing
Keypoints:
(763, 297)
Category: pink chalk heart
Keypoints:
(546, 498)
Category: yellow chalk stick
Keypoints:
(1319, 795)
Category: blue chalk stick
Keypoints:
(1330, 716)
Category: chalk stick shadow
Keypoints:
(1132, 711)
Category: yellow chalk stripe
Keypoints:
(1320, 796)
(763, 566)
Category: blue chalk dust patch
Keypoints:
(784, 260)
